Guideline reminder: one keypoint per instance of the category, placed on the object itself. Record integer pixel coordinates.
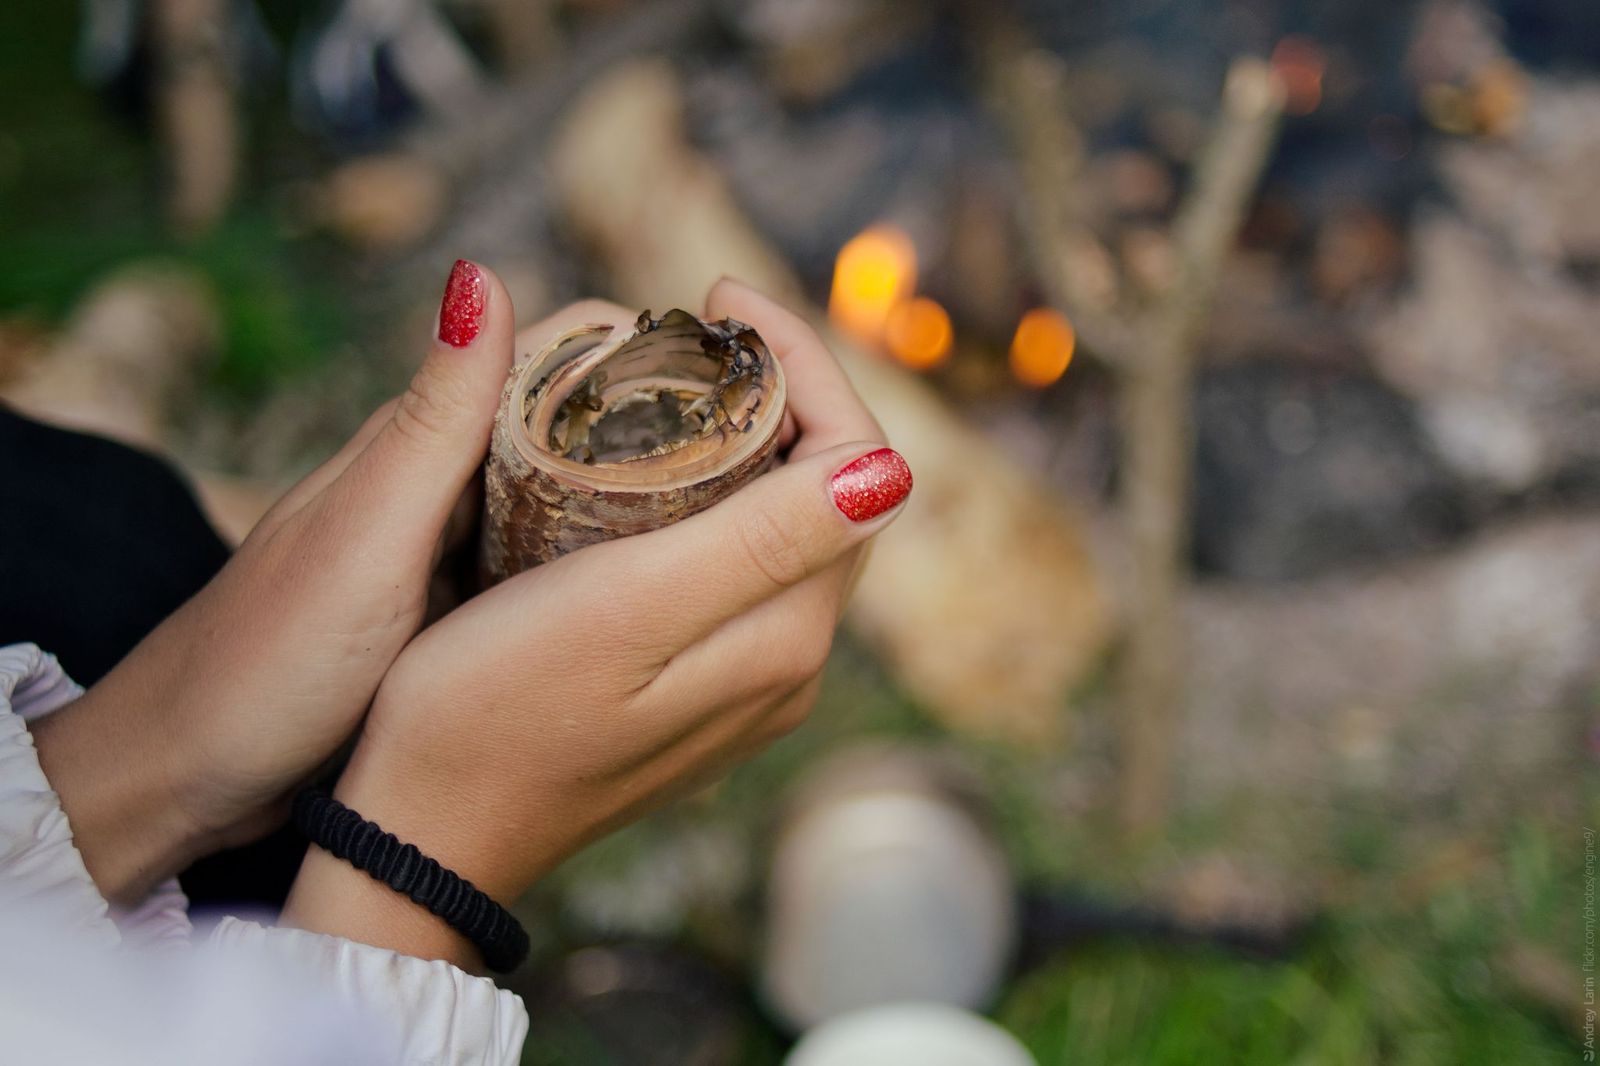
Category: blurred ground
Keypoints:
(1388, 745)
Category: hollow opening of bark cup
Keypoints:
(647, 398)
(675, 391)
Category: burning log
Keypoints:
(600, 436)
(981, 599)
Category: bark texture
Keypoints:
(602, 436)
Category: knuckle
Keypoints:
(773, 545)
(378, 418)
(798, 654)
(423, 410)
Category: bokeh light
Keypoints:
(875, 271)
(1042, 347)
(918, 333)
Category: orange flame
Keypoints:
(876, 270)
(1300, 65)
(918, 333)
(1042, 347)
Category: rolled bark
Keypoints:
(602, 435)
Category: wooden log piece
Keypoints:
(601, 435)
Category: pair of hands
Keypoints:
(518, 726)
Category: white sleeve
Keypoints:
(79, 980)
(440, 1014)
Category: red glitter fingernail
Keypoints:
(867, 487)
(461, 313)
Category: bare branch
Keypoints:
(1028, 90)
(1156, 401)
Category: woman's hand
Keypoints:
(573, 697)
(194, 741)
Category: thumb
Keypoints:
(438, 432)
(776, 532)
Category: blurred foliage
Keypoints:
(79, 195)
(1374, 984)
(1403, 969)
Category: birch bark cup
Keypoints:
(603, 435)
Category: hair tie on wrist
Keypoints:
(346, 835)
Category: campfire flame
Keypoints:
(875, 272)
(918, 333)
(1042, 347)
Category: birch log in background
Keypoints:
(602, 435)
(981, 598)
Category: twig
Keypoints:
(1151, 344)
(1157, 438)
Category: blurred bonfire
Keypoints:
(1029, 266)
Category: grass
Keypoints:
(1401, 991)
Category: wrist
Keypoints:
(120, 784)
(437, 818)
(330, 896)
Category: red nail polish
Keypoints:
(866, 487)
(461, 313)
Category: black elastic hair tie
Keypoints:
(468, 910)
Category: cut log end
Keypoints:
(601, 435)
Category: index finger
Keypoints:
(824, 403)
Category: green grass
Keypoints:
(1378, 982)
(1353, 998)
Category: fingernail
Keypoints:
(461, 313)
(865, 488)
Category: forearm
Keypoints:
(116, 777)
